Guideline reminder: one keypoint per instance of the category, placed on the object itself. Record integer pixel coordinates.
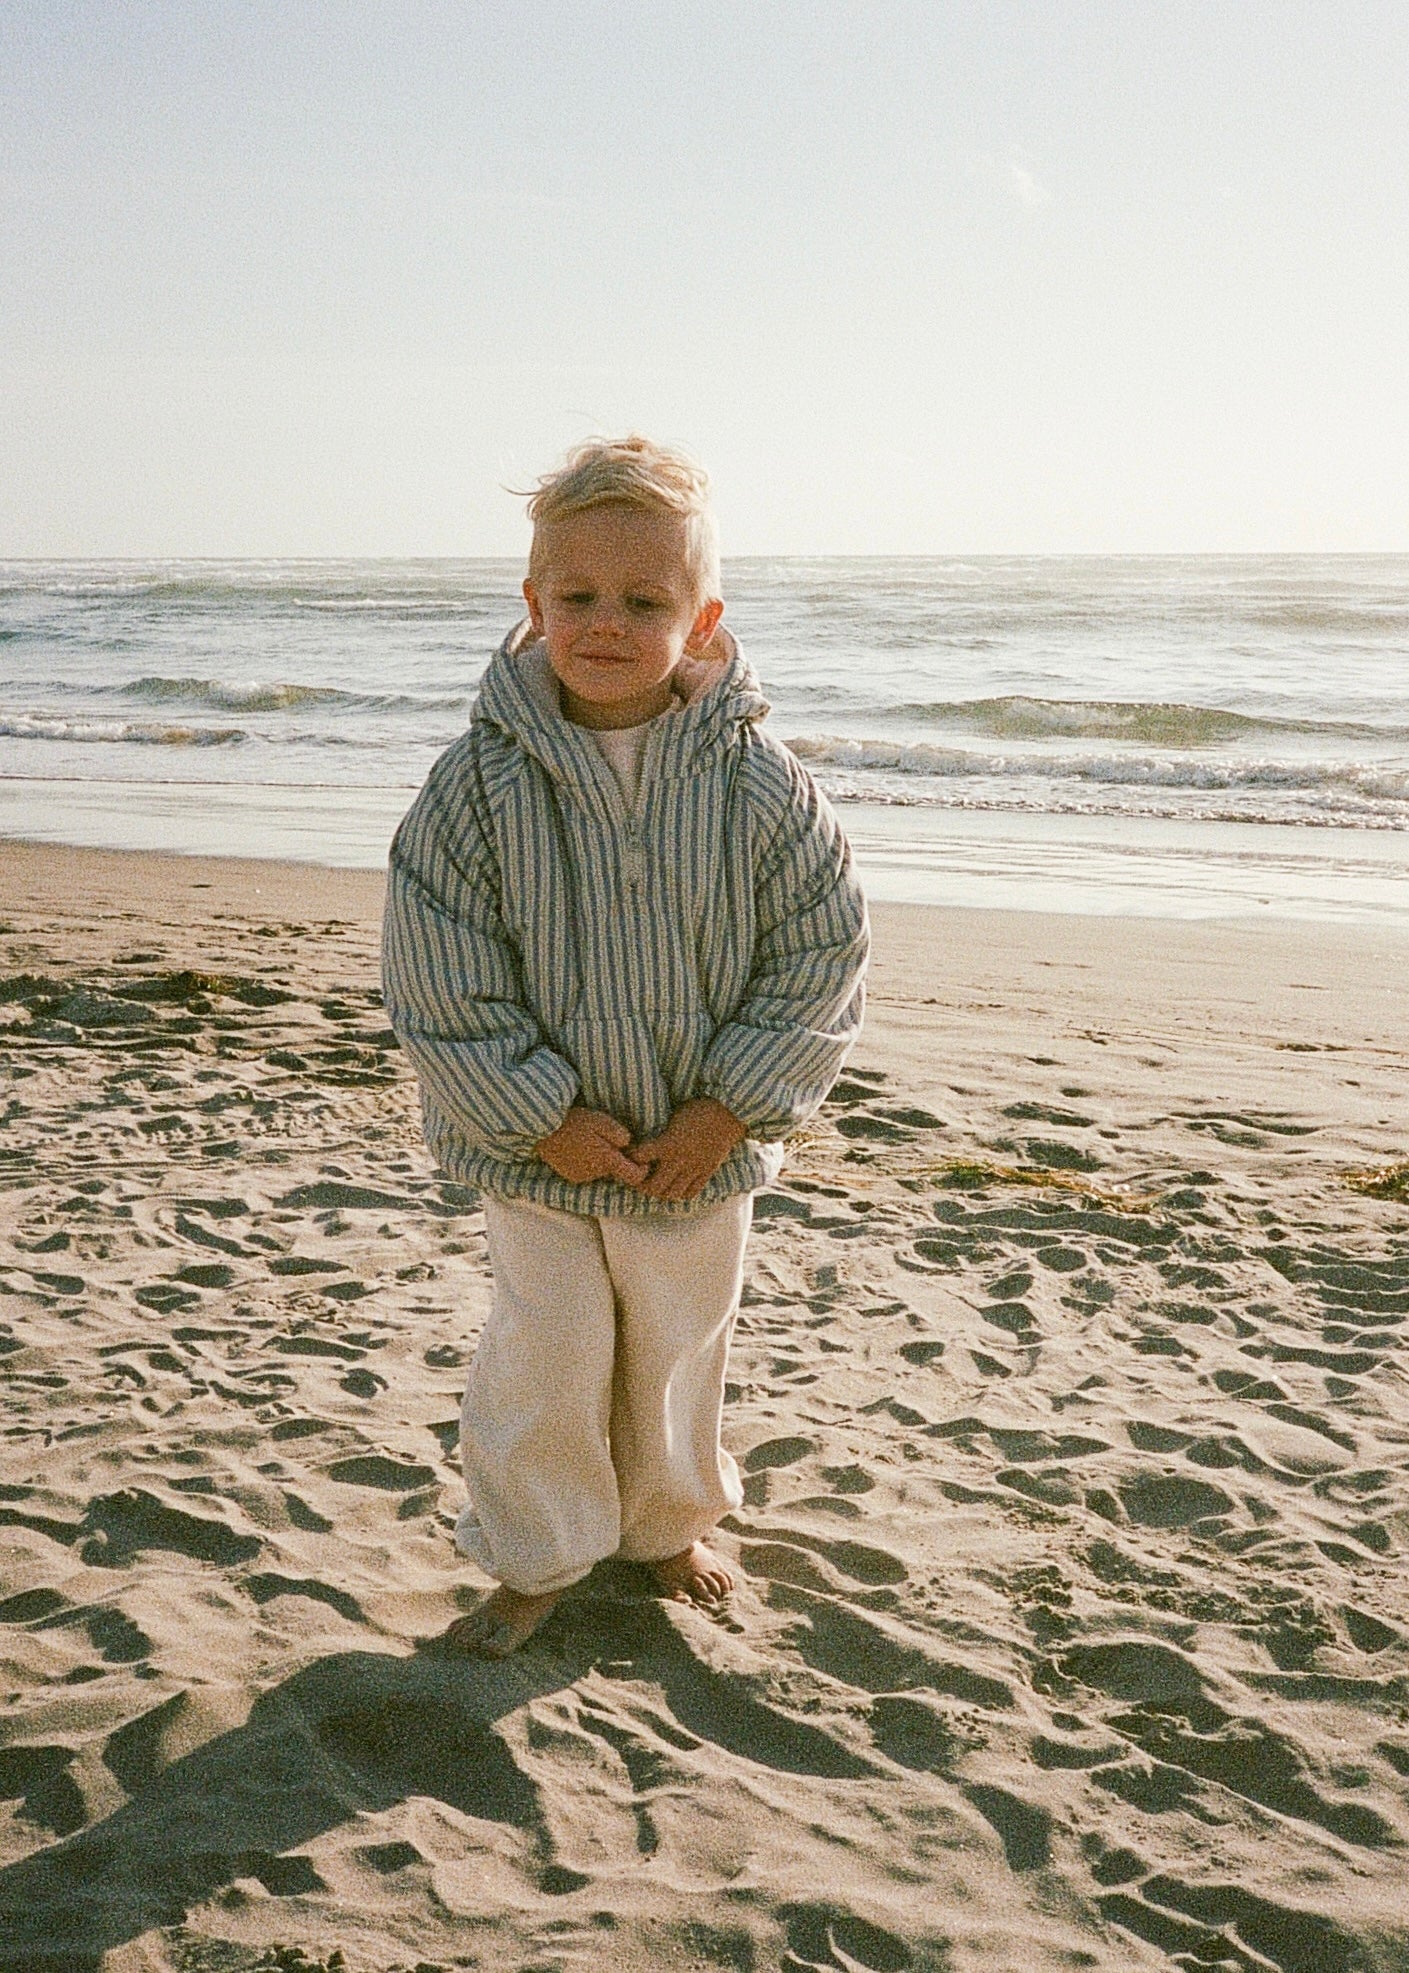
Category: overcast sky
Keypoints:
(321, 276)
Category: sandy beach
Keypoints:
(1072, 1628)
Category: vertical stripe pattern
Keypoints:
(544, 946)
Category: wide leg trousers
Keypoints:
(591, 1420)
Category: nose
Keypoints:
(609, 616)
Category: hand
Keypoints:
(690, 1150)
(589, 1144)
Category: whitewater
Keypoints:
(1172, 736)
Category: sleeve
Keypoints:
(773, 1062)
(454, 987)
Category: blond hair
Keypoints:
(631, 472)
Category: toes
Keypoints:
(473, 1632)
(706, 1587)
(487, 1632)
(697, 1577)
(503, 1622)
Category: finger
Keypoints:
(674, 1185)
(627, 1170)
(604, 1127)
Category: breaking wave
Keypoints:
(216, 695)
(1261, 690)
(1376, 783)
(1152, 724)
(220, 697)
(106, 731)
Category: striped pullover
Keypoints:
(543, 946)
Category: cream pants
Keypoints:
(591, 1420)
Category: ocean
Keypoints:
(1168, 736)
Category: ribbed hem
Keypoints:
(748, 1167)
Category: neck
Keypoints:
(611, 719)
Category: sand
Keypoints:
(1072, 1627)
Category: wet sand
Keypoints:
(1069, 1387)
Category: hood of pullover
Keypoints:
(715, 696)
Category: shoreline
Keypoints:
(1090, 864)
(135, 875)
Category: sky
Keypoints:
(327, 277)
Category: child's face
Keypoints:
(616, 608)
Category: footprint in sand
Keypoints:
(59, 1284)
(264, 1588)
(387, 1858)
(37, 1779)
(194, 1229)
(780, 1562)
(1367, 1633)
(915, 1733)
(164, 1298)
(376, 1470)
(777, 1452)
(1193, 1738)
(870, 1655)
(858, 1561)
(828, 1935)
(1051, 1154)
(121, 1525)
(1014, 1317)
(329, 1194)
(206, 1275)
(1163, 1500)
(113, 1635)
(1047, 1114)
(307, 1519)
(872, 1127)
(856, 1086)
(1024, 1829)
(362, 1383)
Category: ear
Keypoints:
(704, 626)
(535, 608)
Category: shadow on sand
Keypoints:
(360, 1731)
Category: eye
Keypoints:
(645, 604)
(577, 597)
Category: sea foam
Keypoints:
(86, 732)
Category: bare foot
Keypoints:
(499, 1625)
(695, 1575)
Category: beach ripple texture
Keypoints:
(1069, 1393)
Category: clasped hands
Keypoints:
(675, 1164)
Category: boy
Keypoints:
(624, 951)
